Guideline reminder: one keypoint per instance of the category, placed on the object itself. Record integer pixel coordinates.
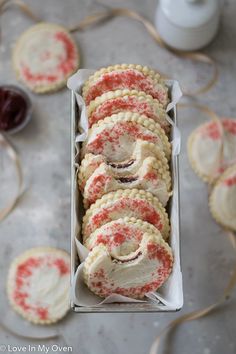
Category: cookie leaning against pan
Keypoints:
(127, 101)
(115, 137)
(38, 284)
(142, 150)
(126, 203)
(44, 57)
(125, 76)
(223, 199)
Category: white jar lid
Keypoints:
(189, 13)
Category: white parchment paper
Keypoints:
(171, 293)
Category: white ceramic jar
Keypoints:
(187, 24)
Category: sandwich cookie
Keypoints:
(127, 101)
(121, 237)
(38, 284)
(212, 148)
(125, 76)
(44, 57)
(115, 137)
(151, 177)
(134, 274)
(223, 199)
(142, 150)
(131, 203)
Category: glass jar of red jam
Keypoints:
(15, 109)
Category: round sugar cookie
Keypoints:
(134, 101)
(223, 199)
(38, 284)
(125, 76)
(115, 136)
(126, 203)
(134, 274)
(141, 150)
(150, 177)
(44, 57)
(212, 148)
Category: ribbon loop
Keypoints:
(4, 4)
(4, 212)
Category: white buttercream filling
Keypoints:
(126, 275)
(206, 154)
(48, 288)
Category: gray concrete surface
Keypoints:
(43, 215)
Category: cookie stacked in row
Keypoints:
(125, 180)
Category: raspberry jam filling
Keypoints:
(127, 179)
(121, 165)
(121, 261)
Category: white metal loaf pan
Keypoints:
(175, 301)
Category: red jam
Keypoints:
(13, 108)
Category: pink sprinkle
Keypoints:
(231, 181)
(126, 79)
